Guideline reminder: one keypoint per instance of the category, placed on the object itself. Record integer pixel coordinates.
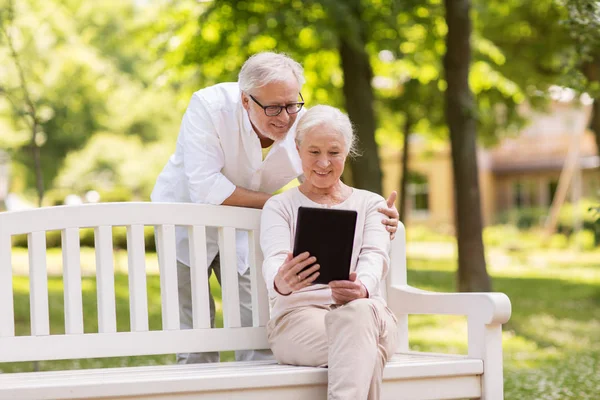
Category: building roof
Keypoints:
(543, 153)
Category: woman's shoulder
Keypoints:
(367, 197)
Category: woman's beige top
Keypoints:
(370, 255)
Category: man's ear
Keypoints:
(245, 101)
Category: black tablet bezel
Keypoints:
(328, 234)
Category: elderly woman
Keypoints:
(345, 325)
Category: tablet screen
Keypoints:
(327, 234)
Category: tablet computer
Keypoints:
(327, 234)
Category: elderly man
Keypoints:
(236, 147)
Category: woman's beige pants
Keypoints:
(354, 340)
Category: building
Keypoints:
(519, 172)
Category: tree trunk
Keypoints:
(31, 112)
(459, 109)
(595, 122)
(358, 93)
(591, 70)
(39, 177)
(404, 173)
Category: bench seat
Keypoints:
(405, 372)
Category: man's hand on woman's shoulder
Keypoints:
(391, 222)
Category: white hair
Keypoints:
(332, 118)
(266, 67)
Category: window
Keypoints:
(418, 194)
(523, 194)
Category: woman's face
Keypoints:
(323, 154)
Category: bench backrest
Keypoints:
(139, 340)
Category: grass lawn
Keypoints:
(551, 343)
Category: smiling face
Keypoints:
(323, 154)
(278, 93)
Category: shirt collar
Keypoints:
(246, 124)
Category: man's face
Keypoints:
(273, 94)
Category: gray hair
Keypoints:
(332, 118)
(266, 67)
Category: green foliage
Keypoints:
(583, 24)
(405, 43)
(583, 240)
(531, 217)
(558, 241)
(529, 36)
(129, 69)
(421, 233)
(511, 238)
(83, 80)
(500, 235)
(56, 197)
(568, 211)
(524, 218)
(595, 211)
(547, 43)
(119, 168)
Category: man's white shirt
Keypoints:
(217, 150)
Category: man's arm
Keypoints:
(246, 198)
(205, 159)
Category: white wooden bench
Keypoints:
(409, 375)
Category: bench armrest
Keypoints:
(486, 312)
(488, 308)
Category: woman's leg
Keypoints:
(361, 337)
(299, 338)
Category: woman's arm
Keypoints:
(281, 271)
(275, 240)
(373, 260)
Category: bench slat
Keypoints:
(7, 315)
(165, 235)
(94, 345)
(38, 284)
(229, 278)
(260, 297)
(72, 280)
(138, 296)
(105, 279)
(199, 277)
(130, 213)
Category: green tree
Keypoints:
(583, 23)
(459, 108)
(335, 37)
(413, 100)
(547, 43)
(328, 31)
(83, 79)
(26, 109)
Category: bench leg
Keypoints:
(485, 342)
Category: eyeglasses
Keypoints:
(273, 111)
